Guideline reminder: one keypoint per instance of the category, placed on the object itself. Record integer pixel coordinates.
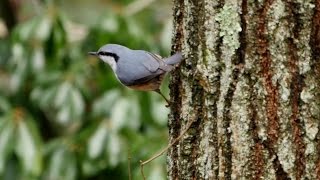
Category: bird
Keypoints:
(138, 69)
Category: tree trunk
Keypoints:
(250, 85)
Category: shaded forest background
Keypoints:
(63, 115)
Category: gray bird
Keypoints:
(137, 69)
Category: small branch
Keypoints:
(142, 163)
(141, 169)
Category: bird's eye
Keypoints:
(102, 53)
(109, 54)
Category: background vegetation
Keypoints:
(63, 115)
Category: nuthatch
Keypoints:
(137, 69)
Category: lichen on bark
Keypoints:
(250, 82)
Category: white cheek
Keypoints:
(110, 60)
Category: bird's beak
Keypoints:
(92, 53)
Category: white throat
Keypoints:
(111, 61)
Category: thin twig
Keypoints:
(141, 169)
(142, 163)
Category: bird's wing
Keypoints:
(146, 78)
(150, 61)
(154, 66)
(140, 67)
(156, 62)
(143, 67)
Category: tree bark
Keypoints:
(250, 85)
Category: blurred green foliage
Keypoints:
(63, 115)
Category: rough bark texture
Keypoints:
(251, 84)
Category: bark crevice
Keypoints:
(174, 124)
(296, 86)
(272, 101)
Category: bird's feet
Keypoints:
(168, 102)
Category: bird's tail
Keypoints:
(174, 59)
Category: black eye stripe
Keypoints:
(114, 55)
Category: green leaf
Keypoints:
(125, 113)
(157, 172)
(62, 94)
(96, 143)
(64, 115)
(13, 170)
(27, 148)
(56, 162)
(6, 141)
(102, 106)
(17, 79)
(158, 110)
(114, 149)
(62, 165)
(109, 23)
(19, 65)
(25, 30)
(37, 60)
(77, 103)
(46, 97)
(4, 105)
(133, 119)
(48, 78)
(18, 53)
(43, 28)
(70, 103)
(133, 29)
(119, 114)
(64, 102)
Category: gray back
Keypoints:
(133, 65)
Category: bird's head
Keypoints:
(110, 54)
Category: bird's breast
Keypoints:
(145, 87)
(151, 85)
